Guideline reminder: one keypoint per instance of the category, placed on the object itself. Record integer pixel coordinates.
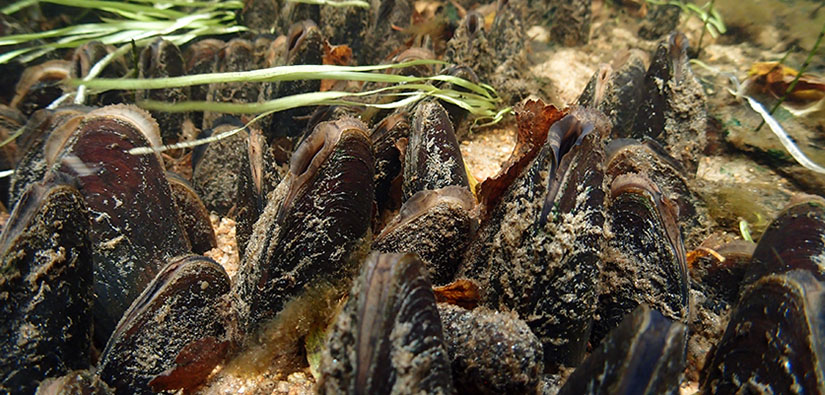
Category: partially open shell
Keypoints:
(313, 224)
(388, 337)
(174, 334)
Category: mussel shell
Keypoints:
(215, 166)
(304, 45)
(85, 382)
(651, 159)
(386, 137)
(386, 16)
(616, 90)
(645, 260)
(491, 352)
(174, 334)
(135, 224)
(645, 354)
(256, 179)
(45, 288)
(237, 55)
(348, 25)
(313, 222)
(572, 22)
(794, 240)
(163, 59)
(40, 85)
(257, 15)
(193, 214)
(41, 141)
(433, 158)
(774, 341)
(87, 56)
(200, 58)
(388, 338)
(11, 120)
(673, 110)
(435, 224)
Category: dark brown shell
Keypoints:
(433, 158)
(40, 85)
(571, 25)
(383, 35)
(135, 224)
(41, 141)
(193, 214)
(256, 179)
(388, 338)
(45, 288)
(174, 334)
(435, 224)
(11, 120)
(774, 341)
(200, 58)
(163, 59)
(491, 352)
(304, 45)
(85, 57)
(215, 166)
(237, 55)
(313, 223)
(645, 259)
(645, 354)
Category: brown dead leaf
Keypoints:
(534, 119)
(338, 55)
(463, 293)
(773, 78)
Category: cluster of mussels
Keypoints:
(572, 257)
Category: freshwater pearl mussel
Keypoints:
(572, 259)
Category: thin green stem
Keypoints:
(705, 20)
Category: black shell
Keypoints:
(435, 224)
(45, 288)
(433, 159)
(538, 252)
(645, 259)
(794, 240)
(673, 108)
(388, 338)
(215, 166)
(650, 159)
(383, 36)
(135, 224)
(174, 334)
(491, 352)
(388, 142)
(571, 25)
(616, 90)
(163, 59)
(193, 214)
(313, 223)
(774, 341)
(645, 354)
(10, 121)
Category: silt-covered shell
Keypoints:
(491, 352)
(174, 334)
(313, 223)
(45, 288)
(388, 337)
